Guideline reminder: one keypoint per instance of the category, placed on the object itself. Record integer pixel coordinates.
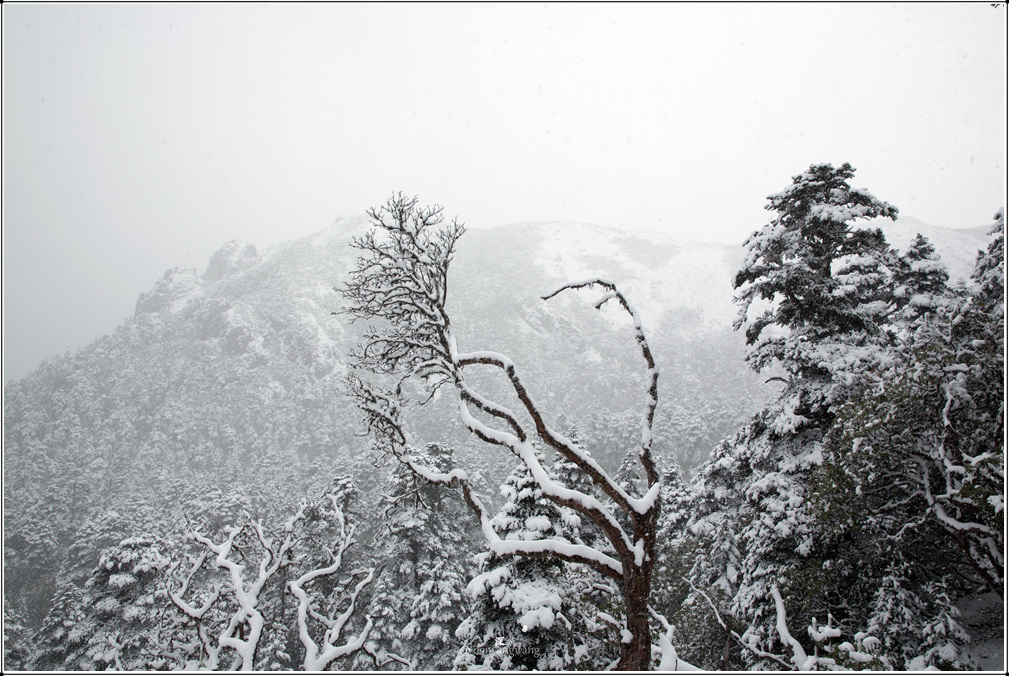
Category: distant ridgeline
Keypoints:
(223, 397)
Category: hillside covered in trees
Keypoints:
(240, 476)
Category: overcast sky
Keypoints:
(141, 137)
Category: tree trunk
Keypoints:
(725, 649)
(636, 654)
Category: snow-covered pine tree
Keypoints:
(673, 543)
(920, 281)
(125, 517)
(912, 478)
(124, 601)
(840, 493)
(753, 533)
(627, 475)
(17, 641)
(821, 292)
(61, 640)
(522, 610)
(64, 627)
(56, 487)
(419, 600)
(819, 287)
(943, 638)
(568, 474)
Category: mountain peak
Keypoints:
(233, 257)
(171, 293)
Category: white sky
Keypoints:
(142, 137)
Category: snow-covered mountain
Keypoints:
(229, 382)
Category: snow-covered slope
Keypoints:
(666, 275)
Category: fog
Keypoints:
(141, 137)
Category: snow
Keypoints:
(539, 617)
(918, 664)
(572, 251)
(823, 633)
(538, 523)
(571, 518)
(487, 580)
(120, 580)
(107, 604)
(840, 213)
(647, 501)
(799, 657)
(997, 502)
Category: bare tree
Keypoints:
(245, 624)
(230, 614)
(318, 658)
(401, 280)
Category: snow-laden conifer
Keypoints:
(814, 292)
(535, 614)
(834, 501)
(426, 549)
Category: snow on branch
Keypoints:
(177, 595)
(799, 657)
(401, 282)
(551, 437)
(652, 398)
(244, 629)
(668, 659)
(566, 551)
(318, 658)
(735, 635)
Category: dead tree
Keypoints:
(229, 614)
(245, 624)
(401, 280)
(319, 657)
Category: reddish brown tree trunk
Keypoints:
(636, 654)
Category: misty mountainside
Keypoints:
(223, 395)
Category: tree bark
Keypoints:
(636, 654)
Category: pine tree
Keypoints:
(826, 283)
(62, 638)
(125, 600)
(823, 295)
(920, 281)
(17, 641)
(519, 618)
(989, 271)
(673, 543)
(569, 475)
(912, 477)
(419, 599)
